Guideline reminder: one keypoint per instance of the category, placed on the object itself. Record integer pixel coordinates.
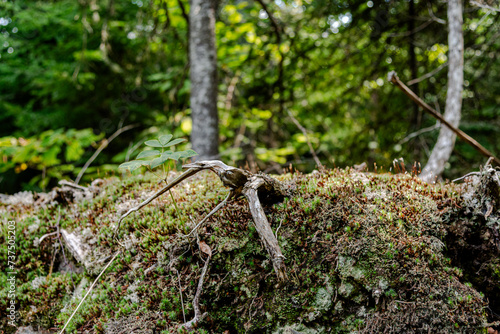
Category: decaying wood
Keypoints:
(258, 188)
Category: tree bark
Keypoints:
(203, 62)
(446, 139)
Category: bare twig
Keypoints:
(54, 253)
(196, 302)
(304, 131)
(393, 77)
(466, 175)
(230, 90)
(90, 289)
(46, 235)
(177, 180)
(433, 16)
(180, 292)
(484, 6)
(277, 31)
(411, 32)
(220, 205)
(102, 147)
(419, 132)
(133, 148)
(427, 75)
(72, 185)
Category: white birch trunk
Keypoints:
(446, 139)
(203, 75)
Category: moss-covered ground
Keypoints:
(371, 253)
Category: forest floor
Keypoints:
(364, 253)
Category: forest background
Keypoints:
(73, 72)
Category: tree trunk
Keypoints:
(446, 140)
(417, 114)
(203, 62)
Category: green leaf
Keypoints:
(165, 139)
(175, 156)
(146, 154)
(187, 154)
(167, 155)
(175, 142)
(153, 143)
(157, 162)
(133, 165)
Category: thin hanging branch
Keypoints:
(104, 144)
(177, 180)
(393, 77)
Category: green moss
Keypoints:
(363, 251)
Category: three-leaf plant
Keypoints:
(154, 158)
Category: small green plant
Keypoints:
(152, 158)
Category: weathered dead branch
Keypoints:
(191, 324)
(177, 180)
(256, 188)
(262, 225)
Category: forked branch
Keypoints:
(241, 182)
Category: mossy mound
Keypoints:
(364, 252)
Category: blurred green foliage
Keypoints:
(99, 64)
(49, 156)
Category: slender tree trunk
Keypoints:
(446, 140)
(417, 114)
(203, 62)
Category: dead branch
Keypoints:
(393, 77)
(304, 132)
(411, 32)
(419, 132)
(241, 182)
(427, 75)
(262, 224)
(484, 6)
(90, 289)
(433, 16)
(219, 206)
(104, 144)
(191, 324)
(180, 291)
(179, 179)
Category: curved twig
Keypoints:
(219, 206)
(104, 144)
(179, 179)
(196, 302)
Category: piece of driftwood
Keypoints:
(257, 188)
